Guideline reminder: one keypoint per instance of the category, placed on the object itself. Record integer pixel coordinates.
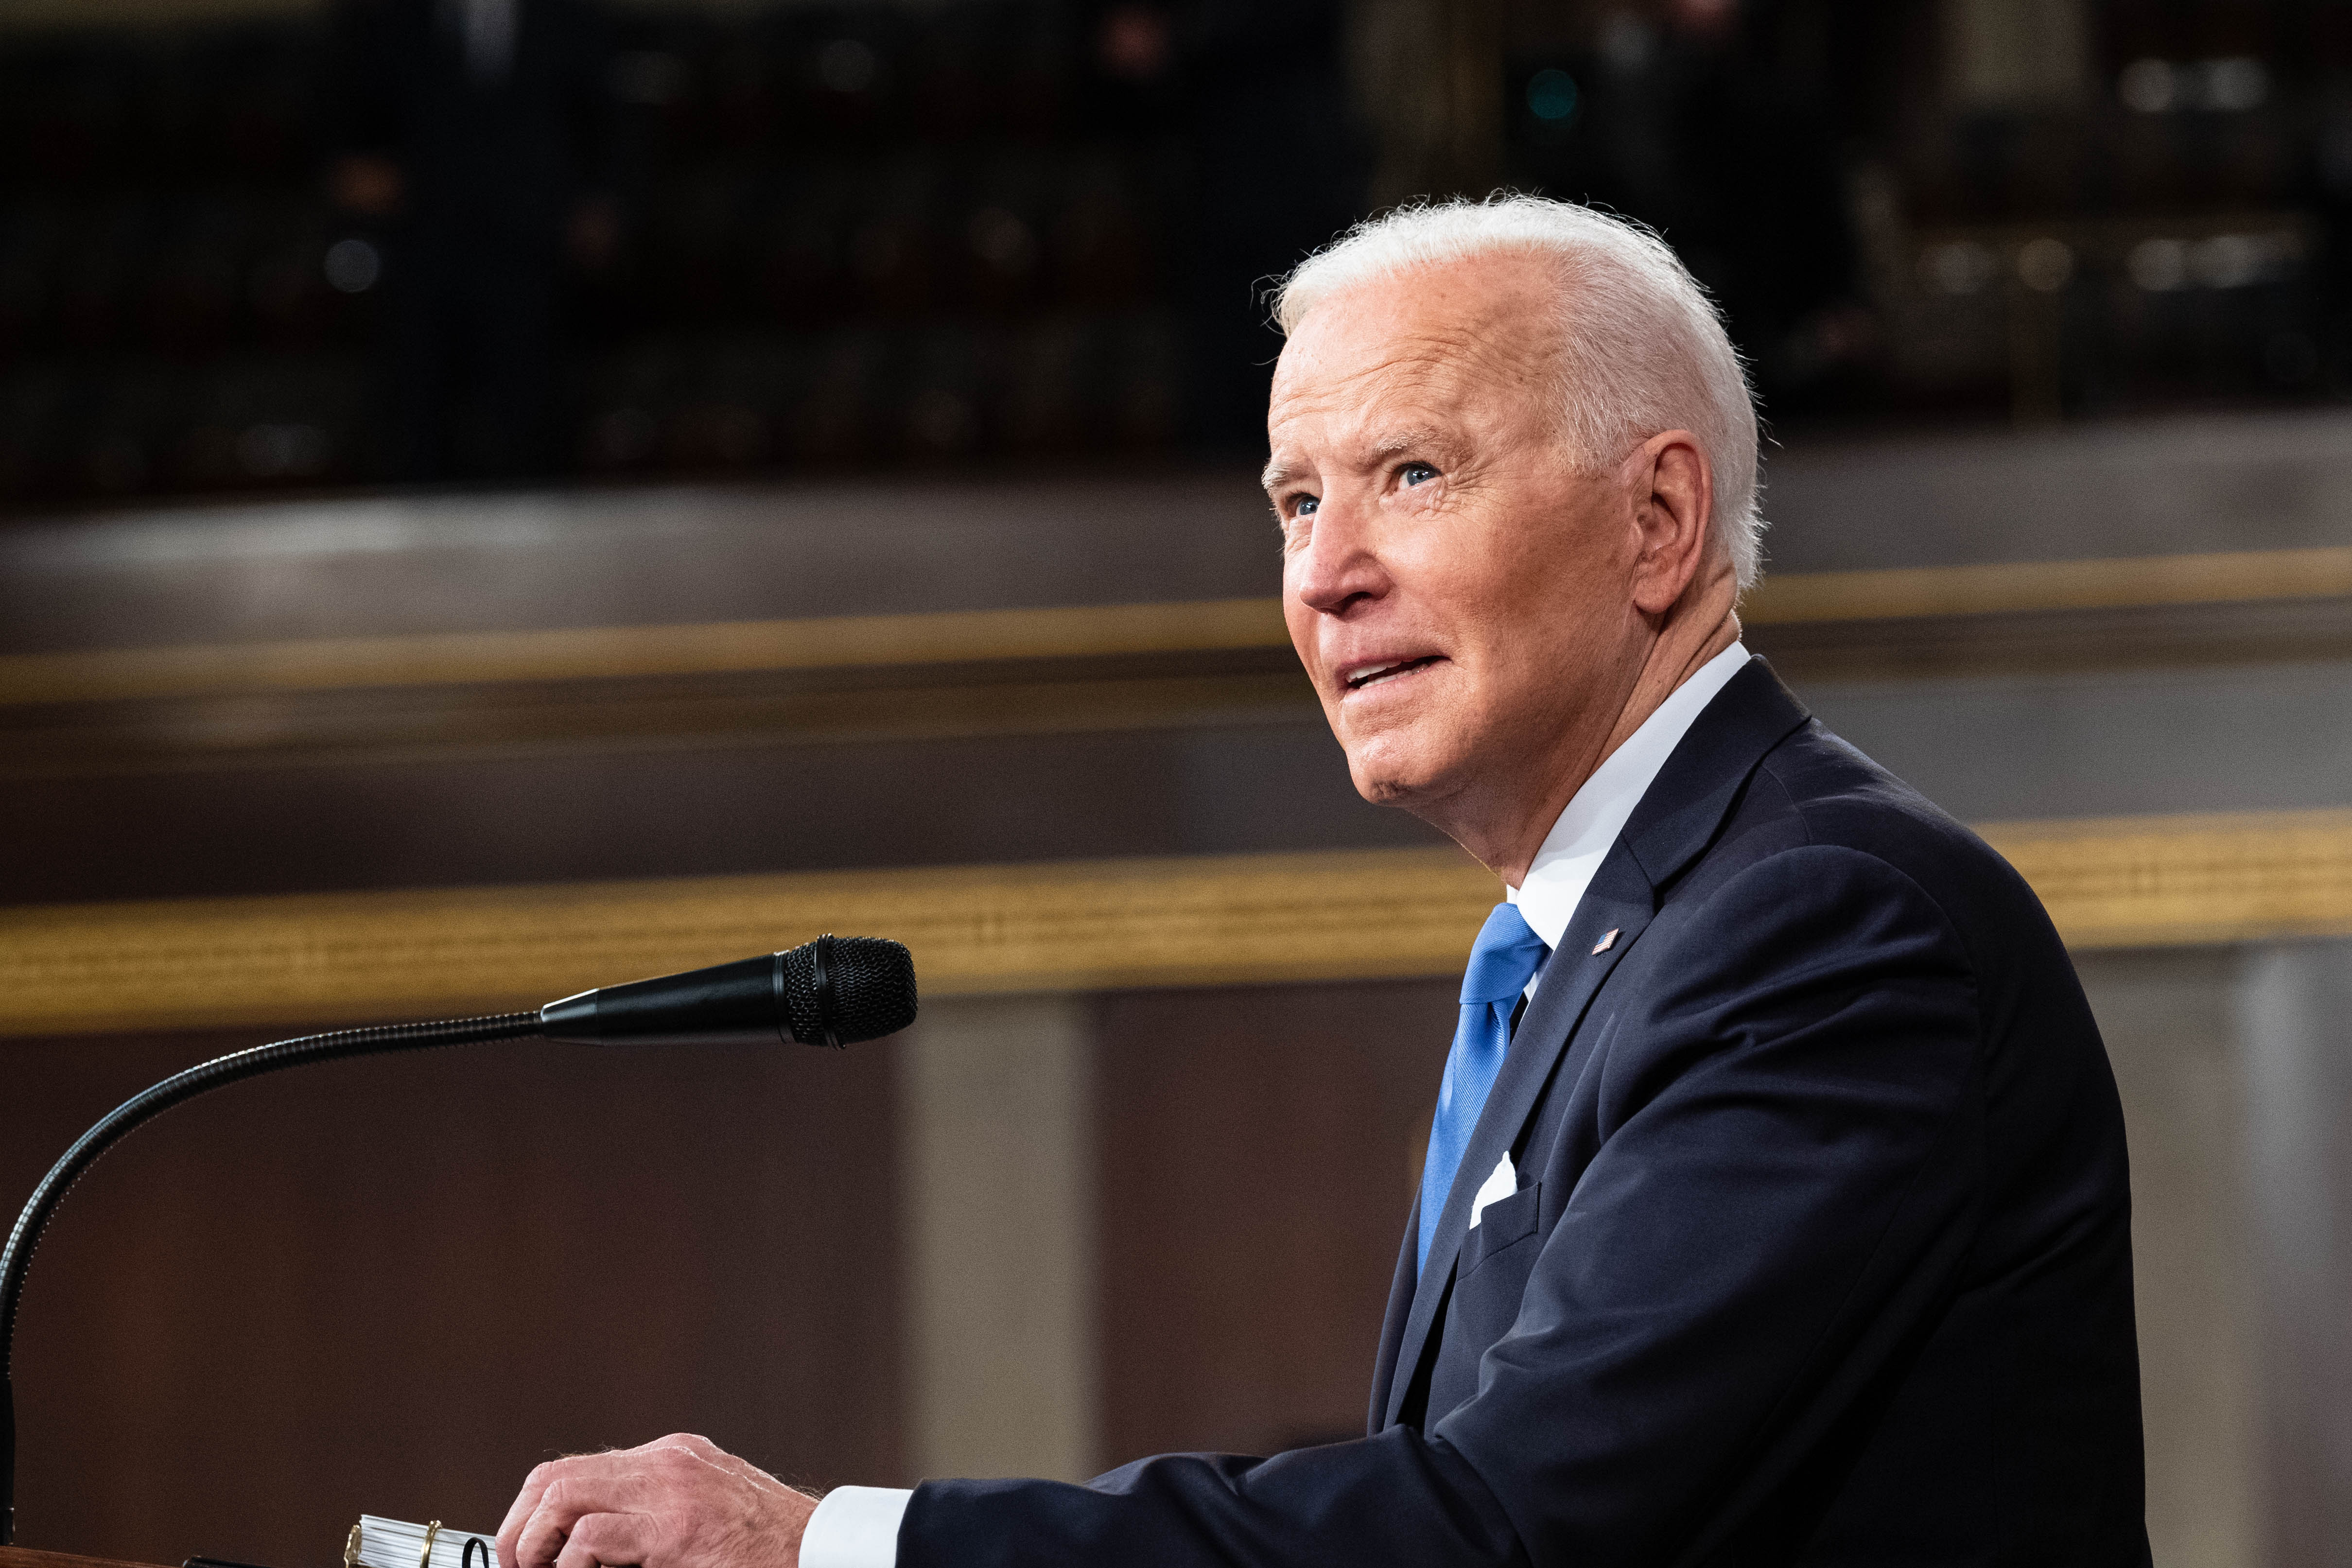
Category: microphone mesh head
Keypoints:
(872, 986)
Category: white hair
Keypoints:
(1645, 348)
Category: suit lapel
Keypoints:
(1618, 899)
(1677, 818)
(1392, 1322)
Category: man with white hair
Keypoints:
(1775, 1208)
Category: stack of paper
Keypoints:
(392, 1544)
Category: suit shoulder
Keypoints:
(1844, 797)
(1821, 789)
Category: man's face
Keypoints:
(1458, 592)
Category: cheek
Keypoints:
(1297, 618)
(1547, 599)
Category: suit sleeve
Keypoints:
(1786, 1182)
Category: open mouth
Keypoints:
(1373, 675)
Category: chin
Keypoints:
(1389, 774)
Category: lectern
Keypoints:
(17, 1557)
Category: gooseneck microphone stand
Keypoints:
(221, 1072)
(835, 991)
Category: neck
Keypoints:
(1516, 817)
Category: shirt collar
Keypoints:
(1573, 849)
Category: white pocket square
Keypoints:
(1500, 1185)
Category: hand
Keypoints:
(680, 1502)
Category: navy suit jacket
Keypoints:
(1821, 1250)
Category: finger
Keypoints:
(534, 1492)
(525, 1504)
(535, 1485)
(610, 1540)
(576, 1493)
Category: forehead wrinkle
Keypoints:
(1445, 362)
(1423, 358)
(1406, 399)
(1354, 394)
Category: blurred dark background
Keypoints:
(359, 243)
(436, 437)
(272, 246)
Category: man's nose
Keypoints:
(1340, 566)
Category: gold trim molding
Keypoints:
(2178, 882)
(363, 701)
(1241, 919)
(1057, 927)
(1080, 632)
(635, 653)
(2025, 588)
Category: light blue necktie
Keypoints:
(1503, 960)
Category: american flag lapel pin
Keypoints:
(1606, 942)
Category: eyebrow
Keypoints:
(1406, 440)
(1281, 471)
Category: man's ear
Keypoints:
(1674, 495)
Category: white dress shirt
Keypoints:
(857, 1527)
(1572, 851)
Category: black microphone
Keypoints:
(835, 991)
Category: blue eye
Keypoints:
(1416, 473)
(1306, 506)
